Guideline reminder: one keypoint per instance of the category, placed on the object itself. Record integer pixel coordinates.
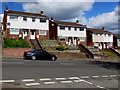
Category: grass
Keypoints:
(108, 53)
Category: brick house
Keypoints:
(116, 40)
(68, 33)
(25, 25)
(99, 38)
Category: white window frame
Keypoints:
(13, 18)
(14, 31)
(45, 32)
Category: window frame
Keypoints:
(15, 32)
(42, 33)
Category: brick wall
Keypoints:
(14, 51)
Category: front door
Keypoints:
(25, 32)
(32, 34)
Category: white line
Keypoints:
(105, 76)
(32, 84)
(49, 82)
(28, 80)
(79, 80)
(99, 86)
(60, 78)
(66, 82)
(84, 77)
(45, 79)
(113, 75)
(88, 82)
(95, 76)
(5, 81)
(74, 78)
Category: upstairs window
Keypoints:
(33, 19)
(62, 27)
(109, 35)
(81, 29)
(43, 20)
(13, 17)
(25, 18)
(69, 28)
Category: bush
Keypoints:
(61, 48)
(15, 43)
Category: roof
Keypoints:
(94, 30)
(25, 13)
(69, 24)
(117, 35)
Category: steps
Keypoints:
(96, 52)
(35, 44)
(49, 44)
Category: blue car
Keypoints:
(39, 54)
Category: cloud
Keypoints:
(1, 18)
(61, 10)
(107, 20)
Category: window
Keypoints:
(14, 31)
(62, 27)
(33, 19)
(81, 29)
(69, 28)
(13, 17)
(43, 20)
(82, 39)
(75, 28)
(25, 18)
(43, 32)
(109, 35)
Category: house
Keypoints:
(116, 40)
(99, 38)
(25, 25)
(68, 33)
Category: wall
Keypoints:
(27, 24)
(71, 33)
(15, 52)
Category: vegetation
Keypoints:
(61, 48)
(108, 53)
(15, 43)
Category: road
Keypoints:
(60, 74)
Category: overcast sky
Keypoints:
(93, 14)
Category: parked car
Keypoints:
(39, 54)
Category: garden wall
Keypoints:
(14, 52)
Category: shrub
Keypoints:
(61, 48)
(15, 43)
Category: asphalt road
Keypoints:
(60, 74)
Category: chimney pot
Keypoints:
(42, 12)
(6, 7)
(103, 28)
(77, 21)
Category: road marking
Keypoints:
(84, 77)
(105, 76)
(60, 78)
(73, 77)
(28, 80)
(88, 82)
(5, 81)
(32, 84)
(45, 79)
(113, 75)
(66, 82)
(95, 76)
(81, 80)
(49, 82)
(99, 86)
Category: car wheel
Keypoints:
(33, 57)
(53, 58)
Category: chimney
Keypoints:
(42, 12)
(103, 28)
(51, 18)
(77, 21)
(6, 8)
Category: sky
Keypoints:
(93, 14)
